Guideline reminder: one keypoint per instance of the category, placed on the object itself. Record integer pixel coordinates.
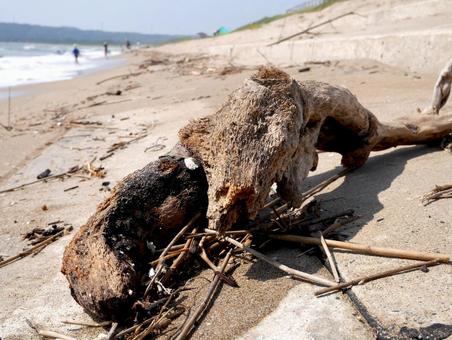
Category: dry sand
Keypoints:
(158, 100)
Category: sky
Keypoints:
(144, 16)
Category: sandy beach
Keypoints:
(144, 101)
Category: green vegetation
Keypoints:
(175, 40)
(267, 20)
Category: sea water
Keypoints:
(27, 63)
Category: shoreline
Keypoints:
(21, 89)
(32, 107)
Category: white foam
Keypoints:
(20, 70)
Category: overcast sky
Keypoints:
(145, 16)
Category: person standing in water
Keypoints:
(76, 53)
(106, 50)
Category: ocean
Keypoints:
(28, 63)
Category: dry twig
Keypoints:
(67, 173)
(367, 278)
(292, 272)
(211, 292)
(37, 248)
(87, 324)
(365, 249)
(330, 259)
(165, 251)
(111, 333)
(55, 335)
(439, 192)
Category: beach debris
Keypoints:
(113, 92)
(108, 155)
(44, 241)
(330, 258)
(340, 124)
(304, 69)
(122, 77)
(157, 145)
(144, 237)
(105, 186)
(364, 248)
(86, 122)
(446, 143)
(87, 324)
(170, 206)
(123, 144)
(88, 169)
(94, 171)
(44, 207)
(6, 127)
(112, 331)
(54, 335)
(74, 171)
(39, 234)
(46, 173)
(71, 188)
(215, 283)
(367, 278)
(326, 63)
(231, 69)
(132, 86)
(438, 193)
(33, 182)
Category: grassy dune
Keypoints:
(266, 20)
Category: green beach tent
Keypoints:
(222, 31)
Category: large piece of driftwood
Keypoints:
(268, 131)
(108, 258)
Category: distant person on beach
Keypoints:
(76, 53)
(106, 50)
(128, 45)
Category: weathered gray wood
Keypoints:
(441, 90)
(269, 130)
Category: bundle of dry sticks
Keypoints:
(222, 252)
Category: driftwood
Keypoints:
(441, 91)
(268, 131)
(107, 259)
